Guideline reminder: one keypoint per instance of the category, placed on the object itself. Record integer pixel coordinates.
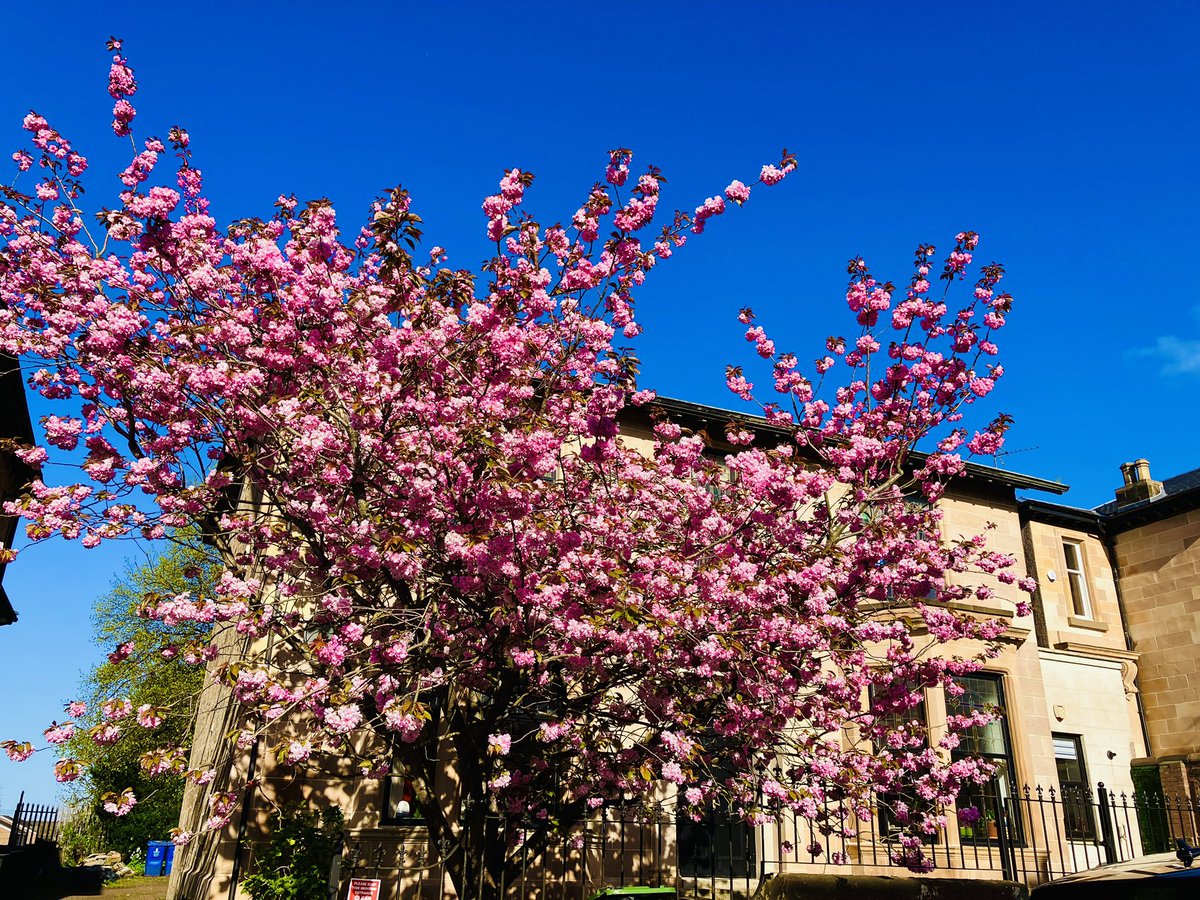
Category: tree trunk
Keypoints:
(195, 866)
(476, 862)
(476, 854)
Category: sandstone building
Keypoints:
(1127, 576)
(1097, 685)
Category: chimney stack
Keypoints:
(1138, 486)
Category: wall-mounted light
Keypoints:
(1112, 754)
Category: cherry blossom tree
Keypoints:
(435, 531)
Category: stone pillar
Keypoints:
(1177, 793)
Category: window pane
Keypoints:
(890, 825)
(1078, 597)
(1066, 753)
(1072, 553)
(1076, 796)
(978, 693)
(1076, 578)
(985, 740)
(400, 800)
(896, 721)
(981, 693)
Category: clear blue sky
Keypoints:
(1065, 133)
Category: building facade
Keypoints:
(1092, 686)
(1134, 587)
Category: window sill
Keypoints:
(1088, 624)
(397, 835)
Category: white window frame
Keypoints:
(1077, 586)
(1075, 796)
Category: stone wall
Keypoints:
(1064, 627)
(1159, 566)
(885, 887)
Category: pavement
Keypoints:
(135, 887)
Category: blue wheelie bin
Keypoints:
(156, 856)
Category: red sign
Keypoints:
(363, 889)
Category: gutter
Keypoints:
(973, 470)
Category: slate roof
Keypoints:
(1173, 488)
(712, 414)
(1181, 494)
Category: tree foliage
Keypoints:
(433, 527)
(148, 681)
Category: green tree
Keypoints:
(161, 678)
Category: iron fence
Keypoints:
(30, 823)
(1031, 835)
(618, 846)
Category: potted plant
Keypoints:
(992, 832)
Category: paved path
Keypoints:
(135, 887)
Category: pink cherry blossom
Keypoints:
(17, 751)
(737, 192)
(67, 770)
(115, 709)
(499, 744)
(59, 734)
(120, 804)
(149, 717)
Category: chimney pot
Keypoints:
(1139, 486)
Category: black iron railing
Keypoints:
(30, 823)
(1031, 835)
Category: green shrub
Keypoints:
(80, 836)
(295, 864)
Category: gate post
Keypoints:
(13, 839)
(1008, 859)
(1107, 832)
